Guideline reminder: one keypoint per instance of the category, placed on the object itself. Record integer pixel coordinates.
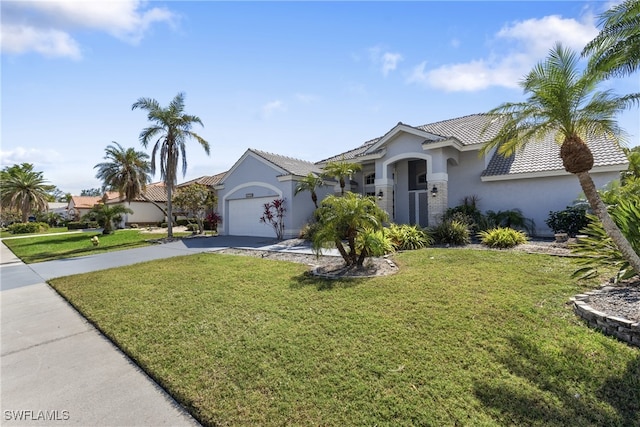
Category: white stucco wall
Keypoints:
(143, 212)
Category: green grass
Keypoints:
(7, 235)
(457, 337)
(47, 248)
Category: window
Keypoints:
(422, 178)
(370, 179)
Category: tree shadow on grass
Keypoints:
(75, 253)
(307, 279)
(554, 389)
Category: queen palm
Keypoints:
(310, 183)
(23, 189)
(565, 101)
(616, 49)
(172, 128)
(341, 170)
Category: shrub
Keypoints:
(407, 237)
(28, 227)
(597, 250)
(193, 227)
(512, 218)
(502, 237)
(570, 221)
(308, 231)
(373, 243)
(451, 233)
(183, 222)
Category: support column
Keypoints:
(385, 201)
(437, 204)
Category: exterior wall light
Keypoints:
(380, 195)
(434, 191)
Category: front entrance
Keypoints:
(418, 208)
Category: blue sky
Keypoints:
(303, 79)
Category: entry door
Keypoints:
(418, 208)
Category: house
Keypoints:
(148, 209)
(417, 172)
(79, 206)
(257, 178)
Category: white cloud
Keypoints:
(306, 98)
(271, 107)
(46, 27)
(387, 61)
(527, 42)
(36, 156)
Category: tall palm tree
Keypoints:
(565, 101)
(23, 189)
(126, 171)
(310, 183)
(172, 128)
(616, 49)
(341, 170)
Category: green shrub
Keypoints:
(502, 237)
(28, 227)
(164, 225)
(512, 218)
(183, 222)
(570, 221)
(407, 237)
(451, 233)
(193, 227)
(374, 243)
(308, 231)
(597, 250)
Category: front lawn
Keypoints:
(6, 234)
(47, 248)
(457, 337)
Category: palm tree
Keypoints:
(127, 171)
(105, 214)
(340, 170)
(23, 189)
(310, 183)
(616, 49)
(172, 127)
(344, 218)
(564, 101)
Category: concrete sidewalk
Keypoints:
(57, 369)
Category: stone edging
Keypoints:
(623, 329)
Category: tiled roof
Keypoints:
(351, 154)
(292, 166)
(209, 181)
(544, 156)
(85, 202)
(466, 129)
(155, 192)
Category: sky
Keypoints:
(307, 80)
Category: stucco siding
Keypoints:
(143, 212)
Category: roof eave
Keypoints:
(550, 173)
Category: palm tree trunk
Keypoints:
(610, 227)
(343, 253)
(169, 213)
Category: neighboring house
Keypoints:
(79, 206)
(416, 173)
(258, 178)
(60, 208)
(144, 211)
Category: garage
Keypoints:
(244, 219)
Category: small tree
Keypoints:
(343, 219)
(310, 183)
(105, 215)
(196, 199)
(274, 215)
(341, 170)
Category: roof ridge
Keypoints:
(260, 152)
(451, 119)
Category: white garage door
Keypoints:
(244, 217)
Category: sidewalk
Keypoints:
(57, 369)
